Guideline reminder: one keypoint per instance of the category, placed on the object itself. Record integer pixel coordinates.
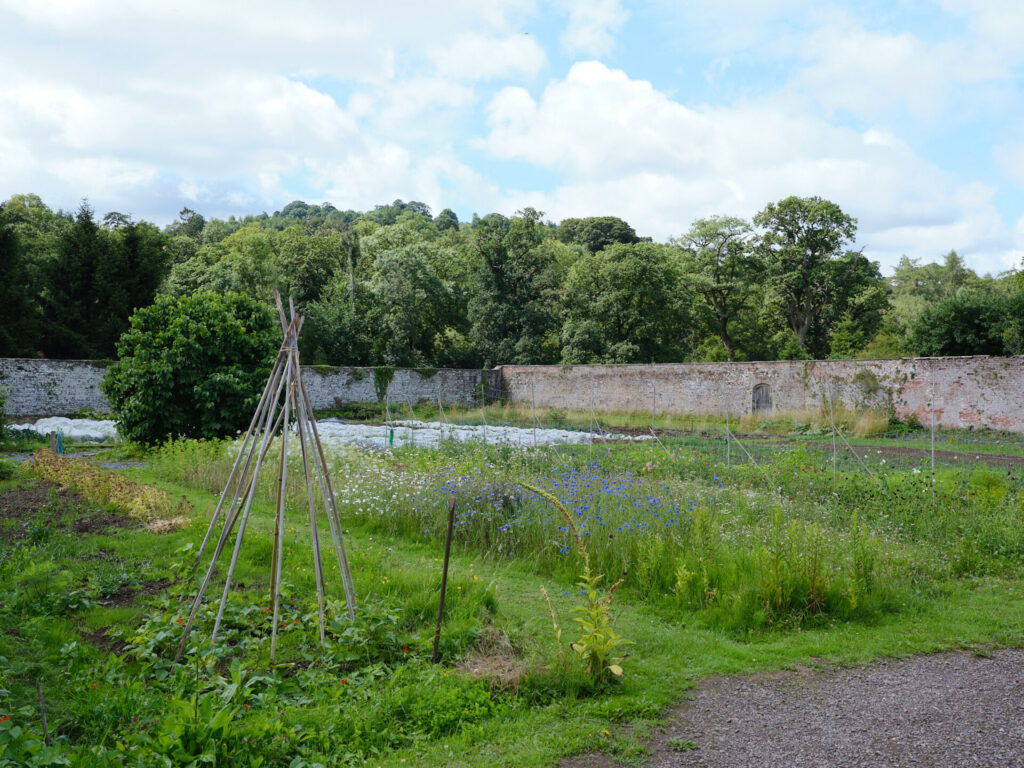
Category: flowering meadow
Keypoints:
(744, 546)
(591, 585)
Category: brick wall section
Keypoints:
(60, 387)
(968, 391)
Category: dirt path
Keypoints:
(947, 710)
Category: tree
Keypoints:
(970, 323)
(624, 304)
(858, 301)
(341, 325)
(446, 220)
(415, 307)
(721, 271)
(596, 232)
(14, 293)
(71, 297)
(509, 308)
(192, 367)
(306, 263)
(801, 236)
(189, 224)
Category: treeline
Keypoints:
(398, 286)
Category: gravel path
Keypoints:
(947, 710)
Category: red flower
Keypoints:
(405, 649)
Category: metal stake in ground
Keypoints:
(728, 441)
(444, 579)
(483, 406)
(832, 418)
(931, 407)
(533, 411)
(654, 399)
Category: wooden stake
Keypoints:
(331, 504)
(483, 407)
(286, 379)
(251, 432)
(444, 579)
(42, 713)
(654, 398)
(276, 567)
(229, 525)
(533, 400)
(590, 434)
(318, 565)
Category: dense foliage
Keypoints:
(192, 366)
(396, 286)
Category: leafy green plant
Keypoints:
(23, 747)
(679, 744)
(194, 734)
(192, 366)
(598, 640)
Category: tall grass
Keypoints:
(723, 545)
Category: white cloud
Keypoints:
(151, 105)
(868, 72)
(624, 147)
(480, 57)
(592, 26)
(999, 22)
(101, 176)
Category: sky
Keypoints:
(907, 113)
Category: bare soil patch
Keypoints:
(46, 504)
(943, 710)
(128, 594)
(105, 642)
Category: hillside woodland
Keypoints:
(400, 286)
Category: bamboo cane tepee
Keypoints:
(284, 399)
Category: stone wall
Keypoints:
(51, 387)
(332, 387)
(60, 387)
(966, 391)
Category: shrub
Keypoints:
(191, 367)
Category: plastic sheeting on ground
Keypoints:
(429, 434)
(83, 430)
(399, 433)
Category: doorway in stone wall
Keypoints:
(762, 398)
